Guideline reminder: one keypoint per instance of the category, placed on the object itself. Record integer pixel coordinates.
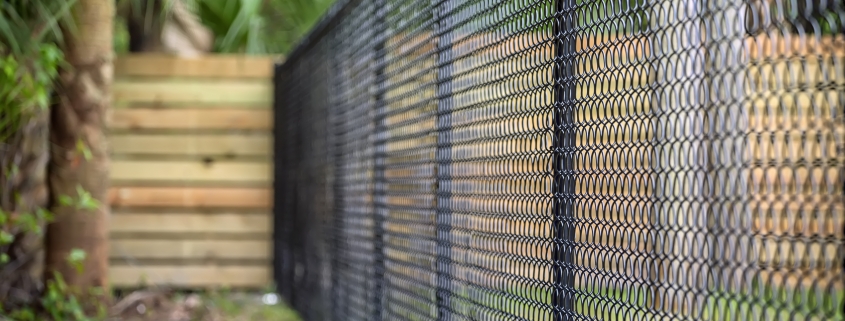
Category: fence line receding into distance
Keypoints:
(563, 160)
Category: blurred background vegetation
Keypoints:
(240, 26)
(35, 37)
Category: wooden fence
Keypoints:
(191, 196)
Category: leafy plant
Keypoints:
(240, 25)
(83, 201)
(32, 79)
(60, 302)
(237, 24)
(30, 59)
(292, 19)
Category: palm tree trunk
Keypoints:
(79, 117)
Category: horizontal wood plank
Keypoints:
(223, 119)
(191, 171)
(190, 276)
(136, 249)
(215, 145)
(210, 66)
(207, 197)
(191, 222)
(157, 91)
(190, 105)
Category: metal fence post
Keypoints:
(563, 144)
(443, 158)
(281, 249)
(380, 150)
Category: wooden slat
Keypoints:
(219, 92)
(190, 222)
(192, 250)
(212, 66)
(768, 46)
(190, 105)
(191, 171)
(190, 276)
(223, 119)
(223, 145)
(136, 249)
(190, 197)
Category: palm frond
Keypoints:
(24, 25)
(237, 24)
(29, 37)
(240, 26)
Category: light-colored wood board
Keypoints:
(164, 222)
(223, 119)
(191, 105)
(191, 276)
(204, 197)
(155, 91)
(228, 145)
(136, 249)
(793, 72)
(768, 45)
(191, 171)
(209, 66)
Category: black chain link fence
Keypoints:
(564, 160)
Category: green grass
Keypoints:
(618, 304)
(241, 307)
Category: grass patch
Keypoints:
(215, 305)
(768, 303)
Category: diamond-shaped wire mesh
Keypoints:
(564, 160)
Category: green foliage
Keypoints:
(292, 19)
(83, 201)
(121, 36)
(822, 19)
(29, 62)
(76, 258)
(239, 26)
(25, 25)
(235, 308)
(29, 58)
(60, 302)
(33, 81)
(236, 24)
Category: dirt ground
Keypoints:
(165, 305)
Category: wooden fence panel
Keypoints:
(191, 196)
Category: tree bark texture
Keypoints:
(79, 116)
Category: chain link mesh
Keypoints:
(564, 160)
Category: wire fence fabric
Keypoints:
(563, 160)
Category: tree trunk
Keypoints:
(23, 158)
(79, 119)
